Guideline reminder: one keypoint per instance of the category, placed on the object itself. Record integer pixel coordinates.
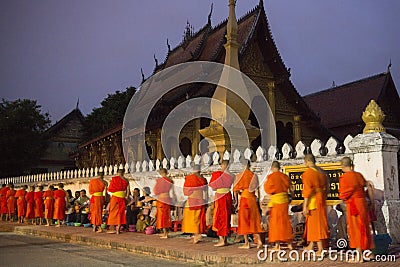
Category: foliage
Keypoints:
(22, 138)
(110, 114)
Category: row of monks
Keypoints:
(244, 186)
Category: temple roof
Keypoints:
(344, 104)
(207, 44)
(74, 114)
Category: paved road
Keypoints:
(20, 250)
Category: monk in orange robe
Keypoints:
(3, 201)
(351, 191)
(21, 203)
(60, 201)
(11, 202)
(246, 184)
(39, 205)
(221, 182)
(280, 227)
(161, 190)
(194, 214)
(315, 184)
(119, 187)
(48, 197)
(97, 188)
(30, 204)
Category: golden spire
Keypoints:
(373, 117)
(231, 46)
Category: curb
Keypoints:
(190, 255)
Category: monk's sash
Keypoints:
(247, 194)
(99, 194)
(223, 190)
(120, 194)
(279, 198)
(312, 204)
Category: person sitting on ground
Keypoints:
(70, 213)
(132, 210)
(142, 222)
(83, 204)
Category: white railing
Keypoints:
(288, 155)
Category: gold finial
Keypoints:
(373, 117)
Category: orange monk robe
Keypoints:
(222, 183)
(161, 190)
(194, 214)
(249, 213)
(3, 200)
(96, 202)
(11, 201)
(280, 227)
(116, 215)
(48, 204)
(314, 184)
(39, 204)
(59, 204)
(351, 191)
(21, 202)
(30, 205)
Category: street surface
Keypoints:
(20, 250)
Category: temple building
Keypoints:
(339, 107)
(63, 138)
(296, 117)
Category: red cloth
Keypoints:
(161, 189)
(163, 185)
(96, 202)
(351, 190)
(48, 204)
(3, 200)
(249, 212)
(163, 215)
(222, 203)
(39, 204)
(21, 202)
(116, 215)
(11, 201)
(30, 205)
(194, 187)
(59, 204)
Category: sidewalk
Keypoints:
(178, 247)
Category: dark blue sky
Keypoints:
(55, 51)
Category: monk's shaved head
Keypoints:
(275, 164)
(309, 158)
(346, 162)
(163, 171)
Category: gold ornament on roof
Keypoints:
(373, 117)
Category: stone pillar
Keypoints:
(196, 137)
(159, 152)
(375, 156)
(271, 96)
(296, 129)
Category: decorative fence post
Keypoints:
(375, 156)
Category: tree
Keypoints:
(110, 114)
(22, 138)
